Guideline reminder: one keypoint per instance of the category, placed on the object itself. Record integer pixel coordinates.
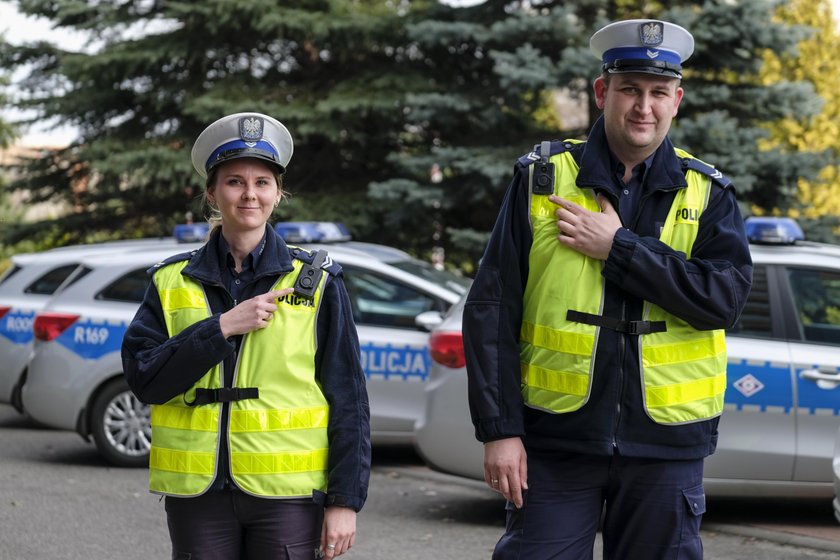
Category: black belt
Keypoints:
(629, 327)
(223, 395)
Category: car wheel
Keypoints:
(121, 426)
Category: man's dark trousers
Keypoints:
(651, 509)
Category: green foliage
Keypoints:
(818, 198)
(407, 114)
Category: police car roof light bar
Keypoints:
(312, 232)
(191, 233)
(773, 230)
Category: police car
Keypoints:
(26, 286)
(782, 403)
(75, 379)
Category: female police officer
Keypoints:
(248, 352)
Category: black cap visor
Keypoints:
(237, 153)
(657, 67)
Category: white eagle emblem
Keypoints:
(651, 33)
(251, 128)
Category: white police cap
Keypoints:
(242, 135)
(642, 45)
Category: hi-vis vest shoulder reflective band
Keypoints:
(278, 442)
(683, 370)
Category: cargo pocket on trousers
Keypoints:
(695, 499)
(691, 546)
(306, 550)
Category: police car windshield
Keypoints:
(448, 280)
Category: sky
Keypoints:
(17, 28)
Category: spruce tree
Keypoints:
(156, 73)
(407, 114)
(510, 60)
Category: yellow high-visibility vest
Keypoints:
(683, 369)
(278, 442)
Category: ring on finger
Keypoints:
(331, 546)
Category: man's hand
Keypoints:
(252, 314)
(506, 468)
(587, 232)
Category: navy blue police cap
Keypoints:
(642, 45)
(240, 135)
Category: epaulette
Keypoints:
(706, 169)
(541, 175)
(308, 257)
(185, 256)
(314, 265)
(554, 147)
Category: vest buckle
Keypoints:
(223, 395)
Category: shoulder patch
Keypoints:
(173, 259)
(706, 169)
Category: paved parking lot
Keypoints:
(60, 500)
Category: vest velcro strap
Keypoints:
(223, 395)
(629, 327)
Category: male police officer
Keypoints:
(597, 364)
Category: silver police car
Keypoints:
(782, 403)
(25, 287)
(75, 377)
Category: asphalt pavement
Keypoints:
(796, 523)
(60, 501)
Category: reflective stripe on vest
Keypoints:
(278, 442)
(683, 370)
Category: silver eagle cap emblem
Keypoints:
(652, 33)
(251, 128)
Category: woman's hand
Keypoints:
(252, 314)
(338, 534)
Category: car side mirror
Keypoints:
(428, 320)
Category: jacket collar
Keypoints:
(665, 172)
(205, 267)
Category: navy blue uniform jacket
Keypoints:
(158, 368)
(708, 291)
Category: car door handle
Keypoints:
(825, 380)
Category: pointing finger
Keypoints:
(276, 294)
(567, 205)
(562, 202)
